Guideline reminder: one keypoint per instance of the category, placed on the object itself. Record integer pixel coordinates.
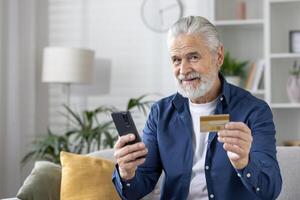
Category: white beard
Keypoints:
(194, 92)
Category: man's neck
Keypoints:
(210, 95)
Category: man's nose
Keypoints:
(184, 67)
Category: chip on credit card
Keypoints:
(213, 123)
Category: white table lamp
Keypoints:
(67, 65)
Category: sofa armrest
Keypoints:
(289, 162)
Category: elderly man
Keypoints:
(238, 162)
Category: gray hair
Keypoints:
(196, 25)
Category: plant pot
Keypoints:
(234, 80)
(293, 88)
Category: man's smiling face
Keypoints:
(194, 65)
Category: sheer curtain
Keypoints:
(21, 94)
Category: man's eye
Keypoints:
(176, 61)
(194, 58)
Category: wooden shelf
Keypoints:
(285, 55)
(285, 105)
(283, 1)
(239, 22)
(264, 35)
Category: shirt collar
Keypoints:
(178, 100)
(225, 91)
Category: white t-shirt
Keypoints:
(198, 188)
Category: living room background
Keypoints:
(135, 60)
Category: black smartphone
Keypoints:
(125, 125)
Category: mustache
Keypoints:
(189, 76)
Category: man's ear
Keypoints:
(220, 56)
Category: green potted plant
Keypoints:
(86, 132)
(233, 69)
(48, 147)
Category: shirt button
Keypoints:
(238, 174)
(257, 189)
(211, 196)
(248, 175)
(221, 98)
(207, 167)
(128, 184)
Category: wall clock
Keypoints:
(159, 15)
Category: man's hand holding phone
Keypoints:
(129, 156)
(130, 152)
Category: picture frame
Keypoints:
(294, 41)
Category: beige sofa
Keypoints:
(289, 162)
(288, 158)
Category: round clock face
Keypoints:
(159, 15)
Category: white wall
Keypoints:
(136, 53)
(198, 7)
(114, 29)
(140, 60)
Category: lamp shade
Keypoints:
(67, 65)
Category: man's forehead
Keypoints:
(184, 53)
(187, 39)
(184, 49)
(186, 43)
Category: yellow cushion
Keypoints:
(85, 177)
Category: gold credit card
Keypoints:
(213, 123)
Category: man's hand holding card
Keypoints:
(236, 136)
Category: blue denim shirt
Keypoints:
(168, 137)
